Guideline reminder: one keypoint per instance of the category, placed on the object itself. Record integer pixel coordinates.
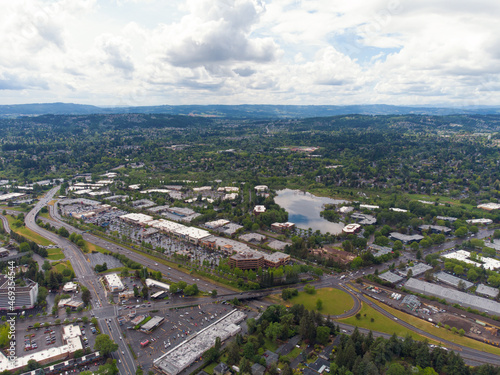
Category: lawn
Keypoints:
(55, 254)
(92, 247)
(335, 301)
(380, 323)
(440, 332)
(45, 215)
(60, 266)
(28, 233)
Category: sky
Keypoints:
(311, 52)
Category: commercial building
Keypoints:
(281, 227)
(390, 277)
(451, 280)
(479, 221)
(126, 294)
(72, 343)
(246, 260)
(139, 219)
(259, 209)
(192, 234)
(277, 245)
(447, 218)
(487, 291)
(418, 269)
(114, 282)
(158, 284)
(464, 256)
(404, 238)
(398, 209)
(252, 237)
(26, 295)
(351, 228)
(261, 188)
(70, 287)
(489, 206)
(453, 296)
(154, 323)
(216, 224)
(183, 355)
(364, 219)
(8, 196)
(378, 251)
(438, 229)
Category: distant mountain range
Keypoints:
(242, 111)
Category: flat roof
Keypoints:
(153, 323)
(464, 256)
(277, 245)
(159, 284)
(193, 232)
(139, 218)
(390, 277)
(454, 296)
(452, 280)
(487, 290)
(216, 223)
(419, 269)
(188, 351)
(114, 280)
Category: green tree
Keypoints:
(319, 304)
(105, 345)
(86, 296)
(322, 335)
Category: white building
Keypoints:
(26, 296)
(192, 234)
(140, 219)
(70, 287)
(259, 209)
(114, 282)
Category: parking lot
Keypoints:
(178, 325)
(32, 340)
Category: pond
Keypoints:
(303, 209)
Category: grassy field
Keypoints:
(61, 266)
(45, 215)
(335, 301)
(55, 254)
(93, 247)
(380, 323)
(28, 233)
(440, 332)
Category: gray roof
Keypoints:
(452, 280)
(438, 228)
(390, 277)
(258, 369)
(270, 357)
(277, 245)
(405, 238)
(453, 296)
(487, 290)
(419, 269)
(380, 250)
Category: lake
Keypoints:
(304, 208)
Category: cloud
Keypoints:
(218, 32)
(9, 81)
(115, 51)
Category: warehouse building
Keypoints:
(453, 281)
(453, 296)
(487, 291)
(183, 355)
(390, 277)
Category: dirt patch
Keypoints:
(337, 255)
(454, 321)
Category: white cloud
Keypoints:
(246, 51)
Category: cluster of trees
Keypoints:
(363, 354)
(182, 286)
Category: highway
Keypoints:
(87, 277)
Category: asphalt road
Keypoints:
(87, 277)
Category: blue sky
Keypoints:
(149, 52)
